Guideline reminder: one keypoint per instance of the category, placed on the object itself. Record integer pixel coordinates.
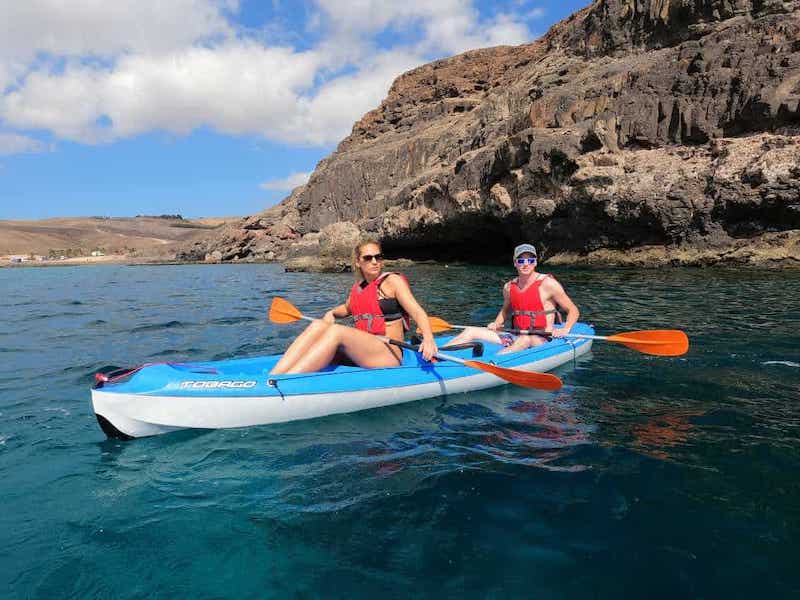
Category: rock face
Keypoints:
(667, 126)
(265, 236)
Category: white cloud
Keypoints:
(370, 16)
(506, 30)
(40, 34)
(338, 104)
(237, 89)
(449, 26)
(102, 28)
(287, 184)
(120, 69)
(535, 13)
(12, 143)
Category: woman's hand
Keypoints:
(428, 348)
(494, 325)
(328, 317)
(557, 333)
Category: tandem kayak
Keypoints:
(163, 397)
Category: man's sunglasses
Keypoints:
(371, 257)
(526, 261)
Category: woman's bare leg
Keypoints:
(300, 346)
(364, 349)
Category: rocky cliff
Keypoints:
(643, 132)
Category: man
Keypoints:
(531, 301)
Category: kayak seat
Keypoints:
(477, 348)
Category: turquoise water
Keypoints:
(643, 477)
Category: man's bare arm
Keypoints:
(501, 317)
(555, 292)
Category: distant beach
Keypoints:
(71, 241)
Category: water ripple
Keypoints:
(159, 326)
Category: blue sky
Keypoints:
(208, 107)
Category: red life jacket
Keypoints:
(527, 310)
(366, 308)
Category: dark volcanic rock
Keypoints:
(667, 124)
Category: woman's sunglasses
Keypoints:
(525, 261)
(371, 257)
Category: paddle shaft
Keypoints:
(619, 337)
(407, 346)
(583, 336)
(413, 348)
(579, 336)
(542, 332)
(658, 342)
(549, 334)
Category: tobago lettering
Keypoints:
(217, 384)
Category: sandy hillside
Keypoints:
(132, 236)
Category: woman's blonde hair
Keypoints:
(357, 256)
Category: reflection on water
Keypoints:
(661, 433)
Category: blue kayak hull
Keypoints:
(159, 398)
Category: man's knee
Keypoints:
(521, 343)
(536, 340)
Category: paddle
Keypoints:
(283, 311)
(659, 342)
(439, 325)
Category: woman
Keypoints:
(380, 304)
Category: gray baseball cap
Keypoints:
(523, 248)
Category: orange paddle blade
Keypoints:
(661, 342)
(439, 325)
(283, 311)
(537, 381)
